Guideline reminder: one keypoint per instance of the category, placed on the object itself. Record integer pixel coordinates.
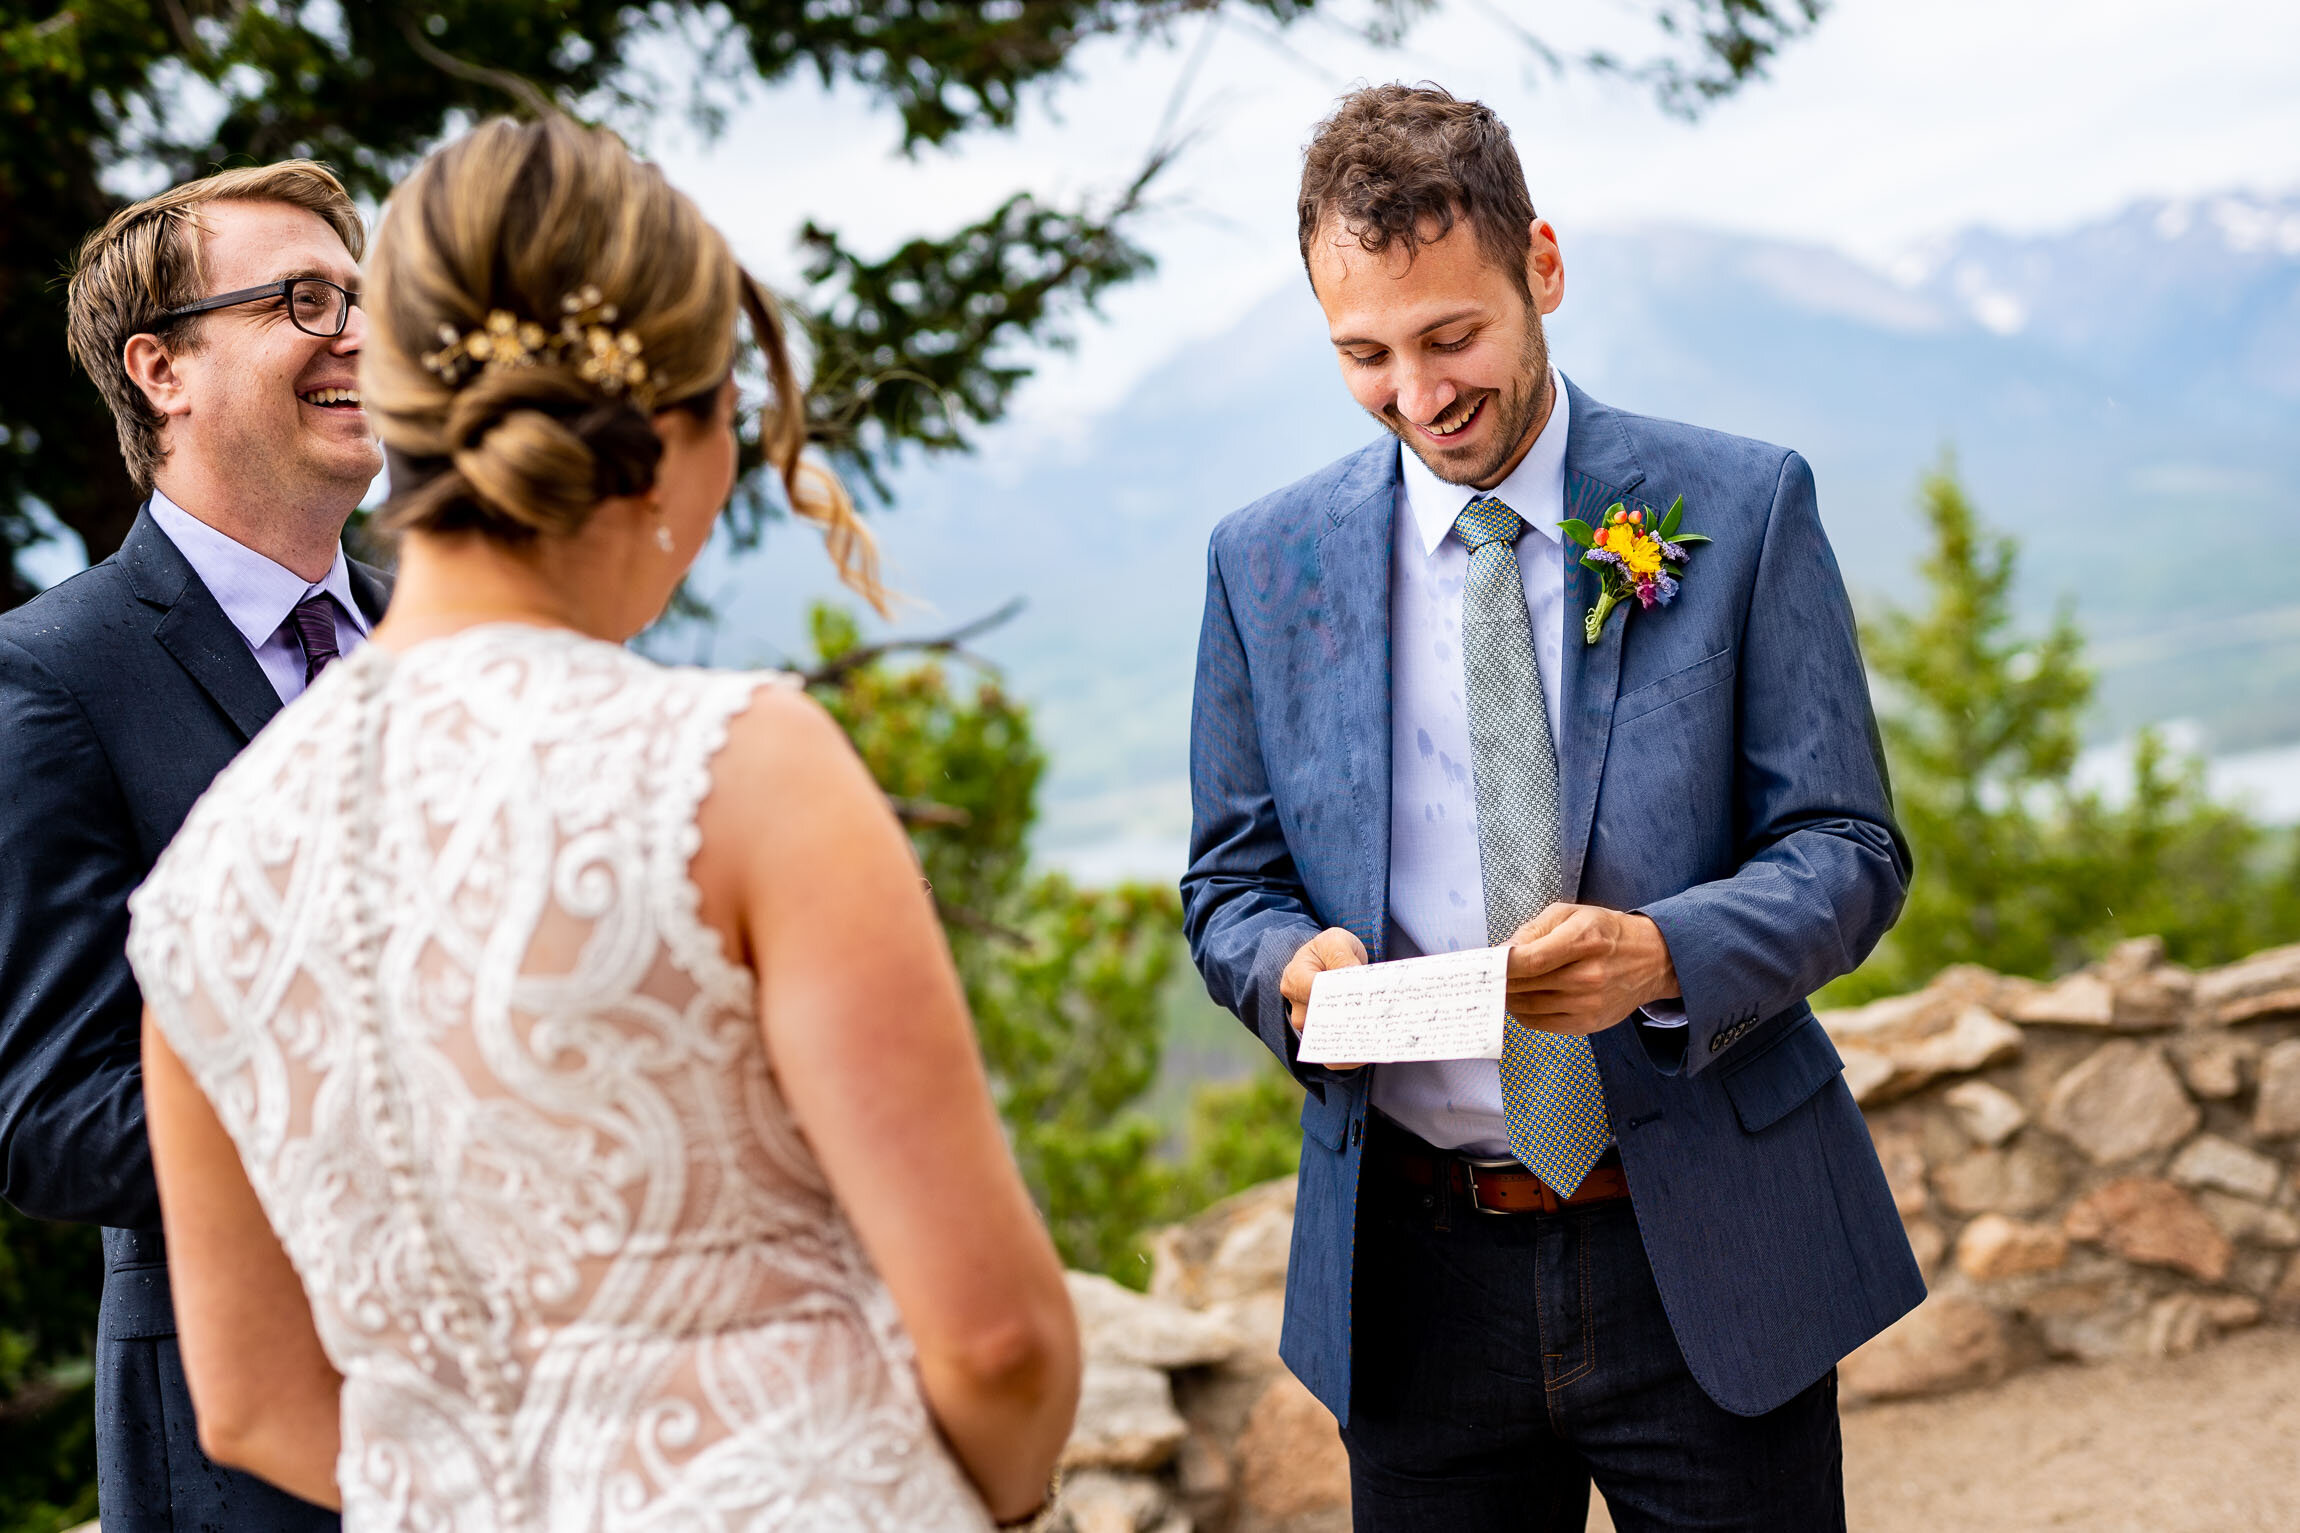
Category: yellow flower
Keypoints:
(1639, 552)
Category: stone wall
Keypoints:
(2100, 1167)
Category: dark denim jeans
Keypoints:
(1505, 1361)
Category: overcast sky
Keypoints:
(1893, 123)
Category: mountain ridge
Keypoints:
(2103, 390)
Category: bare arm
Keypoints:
(874, 1050)
(267, 1399)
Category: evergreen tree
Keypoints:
(2020, 867)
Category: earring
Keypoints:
(663, 537)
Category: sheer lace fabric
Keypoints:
(431, 949)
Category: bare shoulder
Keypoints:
(784, 740)
(787, 781)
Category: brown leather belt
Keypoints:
(1505, 1187)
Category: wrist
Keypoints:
(1661, 983)
(1041, 1516)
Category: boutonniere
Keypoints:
(1632, 554)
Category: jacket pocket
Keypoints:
(1785, 1071)
(1681, 683)
(1327, 1119)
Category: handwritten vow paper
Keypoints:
(1446, 1006)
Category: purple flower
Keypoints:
(1673, 553)
(1664, 589)
(1608, 556)
(1645, 597)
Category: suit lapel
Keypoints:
(194, 630)
(1600, 468)
(1354, 593)
(371, 588)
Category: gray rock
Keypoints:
(2177, 1325)
(1926, 1243)
(1945, 1343)
(1903, 1160)
(1988, 1115)
(1126, 1419)
(2021, 1180)
(2276, 1113)
(2214, 1064)
(2121, 1103)
(2090, 1321)
(2211, 1161)
(2264, 985)
(1896, 1046)
(1292, 1468)
(1097, 1501)
(2244, 1220)
(1234, 1250)
(2082, 999)
(1994, 1247)
(2133, 989)
(2233, 1311)
(1118, 1325)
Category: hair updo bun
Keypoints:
(527, 452)
(515, 219)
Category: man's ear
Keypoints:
(1544, 267)
(152, 369)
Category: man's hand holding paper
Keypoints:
(1571, 969)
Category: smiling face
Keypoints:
(1441, 346)
(254, 393)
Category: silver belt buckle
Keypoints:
(1475, 1165)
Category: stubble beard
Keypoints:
(1517, 410)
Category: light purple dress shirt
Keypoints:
(257, 594)
(1437, 890)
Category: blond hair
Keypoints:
(148, 259)
(517, 218)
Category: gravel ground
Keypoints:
(2208, 1443)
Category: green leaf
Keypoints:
(1691, 537)
(1578, 530)
(1676, 514)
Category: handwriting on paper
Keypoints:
(1445, 1006)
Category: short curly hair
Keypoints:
(1399, 164)
(147, 259)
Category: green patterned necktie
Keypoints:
(1549, 1082)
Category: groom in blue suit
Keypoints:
(1634, 1249)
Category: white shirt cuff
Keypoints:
(1669, 1013)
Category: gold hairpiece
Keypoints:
(608, 359)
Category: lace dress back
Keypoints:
(431, 948)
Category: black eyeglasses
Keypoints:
(315, 305)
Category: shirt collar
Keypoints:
(1532, 489)
(256, 591)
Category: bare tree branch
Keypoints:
(517, 87)
(925, 811)
(835, 670)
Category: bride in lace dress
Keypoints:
(565, 1112)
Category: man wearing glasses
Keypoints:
(220, 320)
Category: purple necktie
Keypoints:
(314, 619)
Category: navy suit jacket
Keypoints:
(1720, 772)
(123, 692)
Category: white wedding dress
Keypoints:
(431, 948)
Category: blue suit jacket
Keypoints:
(123, 692)
(1720, 772)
